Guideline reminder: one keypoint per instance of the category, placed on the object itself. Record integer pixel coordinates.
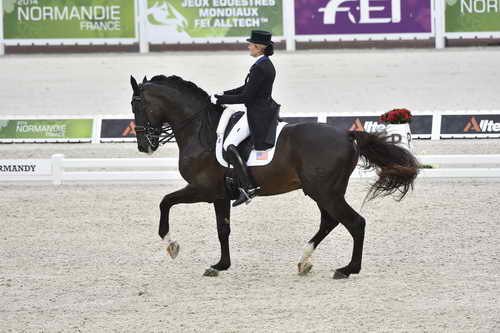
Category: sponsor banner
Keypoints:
(172, 21)
(421, 126)
(54, 129)
(25, 167)
(293, 120)
(322, 17)
(117, 128)
(55, 19)
(472, 15)
(471, 125)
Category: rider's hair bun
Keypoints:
(269, 50)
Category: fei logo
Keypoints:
(363, 10)
(163, 13)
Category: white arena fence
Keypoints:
(60, 170)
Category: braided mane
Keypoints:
(177, 82)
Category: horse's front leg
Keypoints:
(222, 212)
(188, 194)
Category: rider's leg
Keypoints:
(240, 132)
(248, 189)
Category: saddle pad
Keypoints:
(257, 157)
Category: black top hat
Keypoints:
(260, 37)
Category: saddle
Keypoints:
(247, 153)
(246, 148)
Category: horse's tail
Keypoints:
(396, 167)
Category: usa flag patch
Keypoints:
(261, 155)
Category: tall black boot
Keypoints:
(247, 190)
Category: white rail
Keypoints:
(59, 170)
(60, 165)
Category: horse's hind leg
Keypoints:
(326, 226)
(340, 210)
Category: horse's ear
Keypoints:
(144, 80)
(134, 85)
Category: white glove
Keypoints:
(213, 99)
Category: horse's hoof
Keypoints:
(339, 275)
(304, 268)
(211, 272)
(173, 249)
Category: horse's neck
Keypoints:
(198, 136)
(187, 139)
(192, 153)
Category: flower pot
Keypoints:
(400, 134)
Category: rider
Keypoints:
(260, 120)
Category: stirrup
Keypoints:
(245, 196)
(252, 192)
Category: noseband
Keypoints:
(164, 134)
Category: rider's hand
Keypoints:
(214, 98)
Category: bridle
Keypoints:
(165, 132)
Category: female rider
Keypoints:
(260, 120)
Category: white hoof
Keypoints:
(304, 268)
(211, 272)
(173, 249)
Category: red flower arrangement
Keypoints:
(396, 116)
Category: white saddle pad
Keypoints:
(257, 157)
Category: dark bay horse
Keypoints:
(314, 157)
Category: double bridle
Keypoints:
(165, 133)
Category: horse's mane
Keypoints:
(183, 85)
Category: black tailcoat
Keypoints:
(262, 110)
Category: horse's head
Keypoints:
(149, 125)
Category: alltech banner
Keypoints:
(421, 126)
(472, 15)
(46, 129)
(332, 17)
(72, 19)
(172, 21)
(475, 125)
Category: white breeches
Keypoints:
(239, 132)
